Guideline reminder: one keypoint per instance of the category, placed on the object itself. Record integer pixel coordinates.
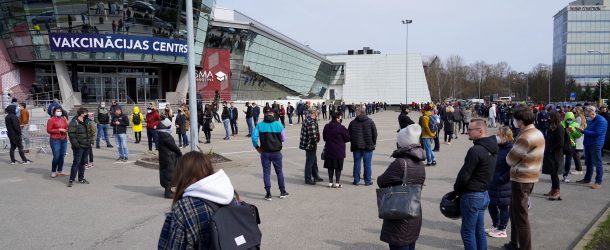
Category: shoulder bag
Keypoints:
(399, 202)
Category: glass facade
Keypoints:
(24, 25)
(262, 64)
(581, 43)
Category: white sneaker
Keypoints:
(497, 234)
(53, 175)
(491, 229)
(576, 172)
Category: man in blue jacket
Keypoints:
(271, 134)
(595, 135)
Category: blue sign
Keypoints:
(86, 42)
(572, 96)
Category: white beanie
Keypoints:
(409, 135)
(166, 123)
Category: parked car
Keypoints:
(158, 23)
(47, 16)
(143, 7)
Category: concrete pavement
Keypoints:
(123, 207)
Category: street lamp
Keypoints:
(527, 89)
(550, 75)
(406, 22)
(600, 71)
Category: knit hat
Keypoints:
(164, 124)
(409, 135)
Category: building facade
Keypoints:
(581, 43)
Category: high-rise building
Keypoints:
(581, 43)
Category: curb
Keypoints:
(587, 235)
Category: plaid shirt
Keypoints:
(187, 226)
(309, 134)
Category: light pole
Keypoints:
(406, 22)
(550, 69)
(527, 88)
(600, 71)
(191, 73)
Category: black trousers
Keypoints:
(16, 143)
(138, 136)
(207, 132)
(234, 130)
(216, 116)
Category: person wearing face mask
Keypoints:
(152, 120)
(553, 154)
(57, 127)
(120, 123)
(233, 113)
(168, 113)
(499, 187)
(81, 139)
(336, 136)
(181, 129)
(571, 127)
(595, 134)
(102, 119)
(226, 119)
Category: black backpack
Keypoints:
(136, 119)
(235, 226)
(103, 118)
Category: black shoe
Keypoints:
(310, 183)
(83, 181)
(433, 163)
(110, 146)
(283, 195)
(70, 183)
(268, 197)
(583, 181)
(207, 142)
(428, 164)
(125, 159)
(355, 183)
(119, 159)
(436, 150)
(510, 246)
(318, 179)
(97, 146)
(168, 194)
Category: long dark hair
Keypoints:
(554, 120)
(190, 168)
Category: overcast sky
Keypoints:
(519, 32)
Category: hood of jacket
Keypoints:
(136, 110)
(569, 116)
(490, 143)
(216, 188)
(102, 110)
(362, 118)
(413, 151)
(11, 109)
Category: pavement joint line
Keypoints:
(585, 236)
(10, 180)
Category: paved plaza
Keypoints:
(123, 207)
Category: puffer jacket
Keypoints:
(403, 232)
(499, 187)
(362, 133)
(80, 133)
(574, 125)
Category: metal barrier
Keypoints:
(34, 137)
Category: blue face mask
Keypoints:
(589, 119)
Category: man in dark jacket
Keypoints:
(102, 119)
(472, 184)
(233, 114)
(324, 110)
(256, 112)
(310, 136)
(271, 134)
(226, 119)
(168, 155)
(120, 122)
(249, 121)
(403, 119)
(81, 136)
(363, 136)
(13, 130)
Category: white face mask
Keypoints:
(515, 122)
(149, 111)
(103, 105)
(58, 113)
(499, 139)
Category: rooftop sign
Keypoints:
(84, 42)
(585, 8)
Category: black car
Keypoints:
(143, 7)
(47, 16)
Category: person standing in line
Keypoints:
(336, 136)
(323, 110)
(215, 107)
(120, 123)
(427, 136)
(331, 109)
(272, 135)
(256, 111)
(290, 111)
(226, 119)
(310, 136)
(472, 183)
(57, 128)
(570, 152)
(181, 129)
(207, 123)
(448, 123)
(103, 122)
(363, 136)
(249, 120)
(499, 187)
(267, 108)
(81, 139)
(300, 107)
(525, 161)
(282, 115)
(579, 146)
(595, 134)
(89, 120)
(492, 116)
(439, 122)
(168, 112)
(136, 119)
(403, 119)
(152, 120)
(113, 107)
(233, 114)
(458, 116)
(553, 154)
(466, 119)
(402, 234)
(13, 130)
(168, 155)
(24, 123)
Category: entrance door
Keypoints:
(132, 89)
(109, 90)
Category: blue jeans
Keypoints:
(473, 207)
(121, 142)
(151, 134)
(78, 164)
(267, 158)
(183, 140)
(59, 148)
(428, 148)
(289, 118)
(499, 216)
(407, 247)
(359, 156)
(311, 165)
(226, 123)
(249, 121)
(102, 131)
(593, 158)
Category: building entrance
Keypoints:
(126, 85)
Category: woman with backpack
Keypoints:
(553, 154)
(188, 224)
(137, 119)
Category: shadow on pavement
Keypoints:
(147, 190)
(355, 245)
(437, 242)
(46, 174)
(446, 226)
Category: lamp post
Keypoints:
(550, 69)
(406, 22)
(527, 88)
(600, 71)
(190, 31)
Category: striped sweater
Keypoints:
(525, 159)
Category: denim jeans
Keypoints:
(250, 122)
(151, 135)
(428, 149)
(121, 142)
(102, 130)
(367, 157)
(78, 164)
(311, 165)
(183, 139)
(593, 158)
(407, 247)
(289, 118)
(267, 158)
(499, 216)
(59, 148)
(473, 207)
(25, 133)
(226, 123)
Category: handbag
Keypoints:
(399, 202)
(323, 155)
(211, 125)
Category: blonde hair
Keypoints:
(449, 109)
(506, 133)
(579, 112)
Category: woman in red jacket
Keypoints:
(57, 127)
